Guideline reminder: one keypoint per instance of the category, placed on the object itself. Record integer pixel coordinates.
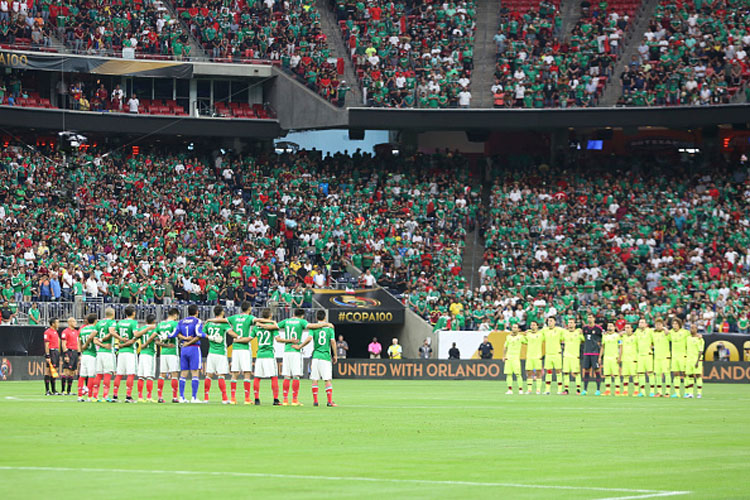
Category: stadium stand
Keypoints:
(114, 28)
(619, 241)
(284, 33)
(694, 53)
(537, 67)
(410, 54)
(140, 228)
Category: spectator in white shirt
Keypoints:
(133, 104)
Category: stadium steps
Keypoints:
(197, 53)
(336, 45)
(570, 10)
(473, 252)
(485, 53)
(613, 90)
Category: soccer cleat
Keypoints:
(617, 393)
(598, 393)
(68, 394)
(161, 400)
(129, 400)
(527, 392)
(652, 395)
(285, 403)
(520, 392)
(81, 400)
(141, 400)
(316, 404)
(688, 396)
(607, 393)
(636, 393)
(546, 393)
(563, 393)
(675, 395)
(296, 403)
(578, 392)
(114, 398)
(183, 400)
(248, 402)
(657, 395)
(276, 402)
(175, 400)
(225, 402)
(699, 396)
(152, 400)
(641, 395)
(257, 402)
(48, 393)
(509, 391)
(233, 401)
(331, 404)
(195, 401)
(583, 393)
(538, 392)
(108, 400)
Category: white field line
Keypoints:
(642, 493)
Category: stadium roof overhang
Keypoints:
(126, 124)
(546, 119)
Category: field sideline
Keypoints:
(417, 439)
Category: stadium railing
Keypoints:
(79, 310)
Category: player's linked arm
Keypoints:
(333, 351)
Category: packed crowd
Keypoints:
(109, 28)
(694, 53)
(623, 241)
(286, 32)
(24, 25)
(536, 68)
(410, 54)
(163, 228)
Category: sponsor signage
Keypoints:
(371, 306)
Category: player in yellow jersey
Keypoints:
(609, 358)
(573, 337)
(678, 337)
(644, 341)
(534, 340)
(694, 362)
(512, 358)
(660, 340)
(629, 361)
(553, 354)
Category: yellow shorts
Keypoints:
(533, 364)
(661, 365)
(678, 364)
(629, 368)
(610, 367)
(571, 365)
(645, 364)
(692, 369)
(513, 367)
(553, 362)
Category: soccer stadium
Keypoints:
(470, 249)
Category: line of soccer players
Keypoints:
(110, 347)
(655, 361)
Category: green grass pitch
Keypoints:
(387, 439)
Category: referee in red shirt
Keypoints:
(70, 356)
(52, 355)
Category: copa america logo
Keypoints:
(6, 369)
(355, 301)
